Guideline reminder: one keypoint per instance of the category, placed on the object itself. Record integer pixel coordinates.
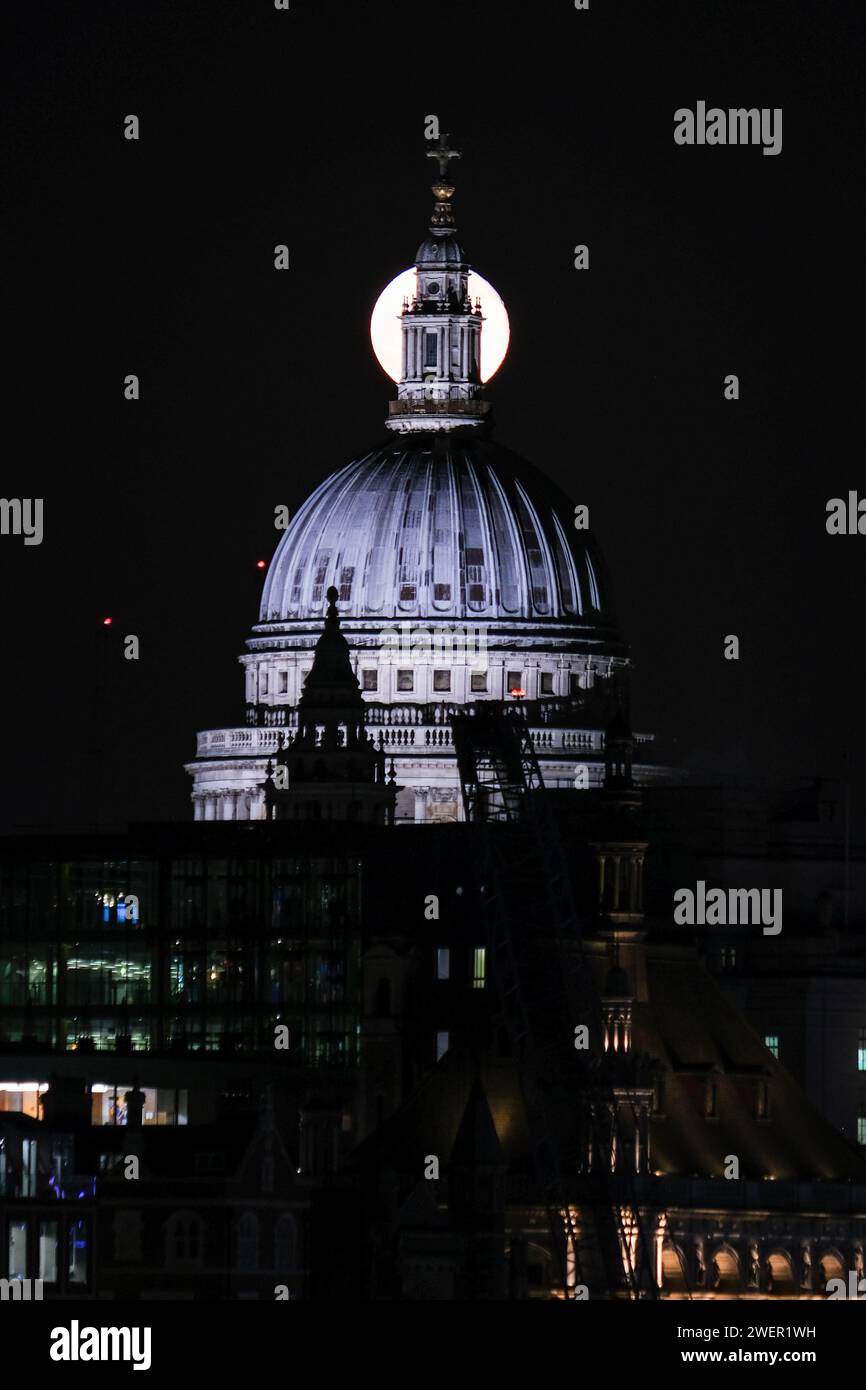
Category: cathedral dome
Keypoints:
(439, 526)
(460, 576)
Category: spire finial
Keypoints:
(443, 154)
(443, 188)
(332, 615)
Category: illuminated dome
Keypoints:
(439, 527)
(460, 576)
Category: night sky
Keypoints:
(260, 127)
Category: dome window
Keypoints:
(405, 680)
(442, 593)
(441, 680)
(547, 682)
(478, 682)
(370, 680)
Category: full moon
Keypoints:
(385, 323)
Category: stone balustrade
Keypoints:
(395, 734)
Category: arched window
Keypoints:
(674, 1277)
(725, 1269)
(285, 1244)
(831, 1266)
(780, 1274)
(248, 1242)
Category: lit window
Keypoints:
(441, 1044)
(771, 1042)
(478, 682)
(28, 1167)
(405, 680)
(861, 1126)
(370, 680)
(441, 680)
(861, 1051)
(443, 963)
(77, 1253)
(17, 1249)
(547, 682)
(48, 1251)
(479, 967)
(729, 957)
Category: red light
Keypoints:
(106, 622)
(517, 693)
(261, 564)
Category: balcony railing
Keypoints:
(394, 734)
(565, 726)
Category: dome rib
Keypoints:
(447, 527)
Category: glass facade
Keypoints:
(180, 952)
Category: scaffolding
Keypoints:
(546, 993)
